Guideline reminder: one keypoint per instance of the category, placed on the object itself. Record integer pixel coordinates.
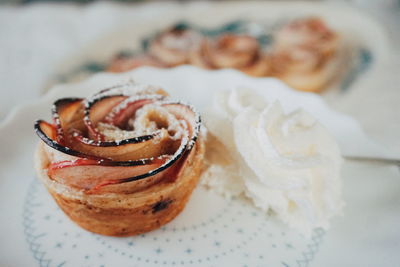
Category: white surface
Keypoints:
(367, 234)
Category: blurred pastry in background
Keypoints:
(240, 52)
(305, 54)
(174, 46)
(122, 63)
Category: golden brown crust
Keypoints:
(122, 64)
(118, 214)
(252, 62)
(306, 54)
(174, 46)
(314, 80)
(260, 67)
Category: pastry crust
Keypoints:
(260, 67)
(240, 52)
(122, 64)
(313, 81)
(317, 79)
(121, 214)
(307, 54)
(174, 46)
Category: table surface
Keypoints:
(35, 39)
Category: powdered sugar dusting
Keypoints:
(130, 100)
(153, 116)
(127, 89)
(113, 133)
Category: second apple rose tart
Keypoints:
(122, 162)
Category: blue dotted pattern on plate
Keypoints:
(228, 233)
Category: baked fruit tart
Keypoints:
(306, 54)
(240, 52)
(122, 162)
(174, 46)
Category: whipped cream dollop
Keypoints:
(286, 163)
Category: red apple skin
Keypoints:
(87, 173)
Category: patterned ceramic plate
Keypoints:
(211, 231)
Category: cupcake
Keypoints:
(122, 162)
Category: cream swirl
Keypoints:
(288, 163)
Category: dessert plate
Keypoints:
(211, 231)
(364, 40)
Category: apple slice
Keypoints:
(168, 171)
(96, 109)
(151, 169)
(121, 113)
(48, 133)
(189, 115)
(64, 114)
(141, 147)
(47, 129)
(67, 111)
(87, 173)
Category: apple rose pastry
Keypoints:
(305, 54)
(240, 52)
(122, 162)
(124, 63)
(173, 47)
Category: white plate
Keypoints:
(365, 41)
(210, 231)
